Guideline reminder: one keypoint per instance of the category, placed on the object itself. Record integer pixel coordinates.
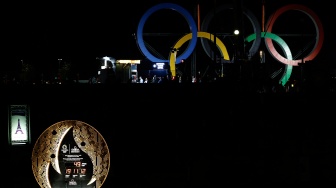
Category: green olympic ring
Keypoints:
(268, 37)
(285, 49)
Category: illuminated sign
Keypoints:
(128, 61)
(75, 166)
(70, 153)
(159, 65)
(18, 125)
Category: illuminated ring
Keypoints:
(187, 16)
(220, 45)
(319, 31)
(256, 28)
(288, 71)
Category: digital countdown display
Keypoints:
(76, 166)
(72, 154)
(75, 169)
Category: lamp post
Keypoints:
(59, 63)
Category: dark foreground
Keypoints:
(186, 135)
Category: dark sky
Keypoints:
(41, 33)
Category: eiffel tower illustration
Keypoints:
(18, 128)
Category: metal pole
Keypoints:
(59, 63)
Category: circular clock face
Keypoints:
(70, 153)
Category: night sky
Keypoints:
(209, 135)
(42, 33)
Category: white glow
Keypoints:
(19, 134)
(160, 65)
(129, 61)
(106, 58)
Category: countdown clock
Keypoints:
(70, 153)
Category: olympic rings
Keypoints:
(187, 16)
(187, 37)
(256, 37)
(319, 31)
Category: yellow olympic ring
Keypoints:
(220, 45)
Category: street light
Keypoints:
(59, 63)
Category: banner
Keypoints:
(18, 125)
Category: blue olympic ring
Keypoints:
(255, 37)
(187, 16)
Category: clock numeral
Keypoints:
(77, 164)
(68, 171)
(83, 170)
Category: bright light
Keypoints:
(160, 65)
(105, 64)
(106, 58)
(236, 32)
(129, 61)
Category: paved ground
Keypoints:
(184, 136)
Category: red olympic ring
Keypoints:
(319, 31)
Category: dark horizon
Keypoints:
(79, 34)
